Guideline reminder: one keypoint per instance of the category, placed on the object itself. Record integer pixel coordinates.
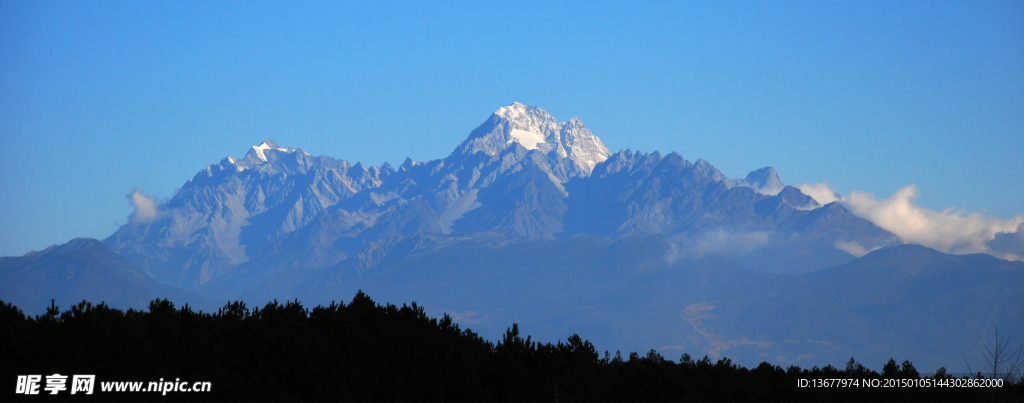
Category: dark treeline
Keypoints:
(363, 351)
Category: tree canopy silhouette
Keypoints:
(364, 351)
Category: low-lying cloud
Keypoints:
(145, 207)
(1008, 245)
(853, 248)
(720, 241)
(950, 231)
(820, 192)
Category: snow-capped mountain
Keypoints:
(534, 129)
(519, 175)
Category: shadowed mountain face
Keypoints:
(84, 269)
(535, 221)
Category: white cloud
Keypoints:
(720, 241)
(1008, 245)
(950, 231)
(145, 207)
(853, 247)
(820, 192)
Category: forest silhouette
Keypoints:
(364, 351)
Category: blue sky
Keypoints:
(97, 98)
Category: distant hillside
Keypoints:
(84, 269)
(634, 294)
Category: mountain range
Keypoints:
(535, 221)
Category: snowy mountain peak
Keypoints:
(529, 126)
(535, 129)
(524, 116)
(268, 144)
(513, 111)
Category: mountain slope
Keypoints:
(903, 300)
(84, 269)
(694, 204)
(228, 211)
